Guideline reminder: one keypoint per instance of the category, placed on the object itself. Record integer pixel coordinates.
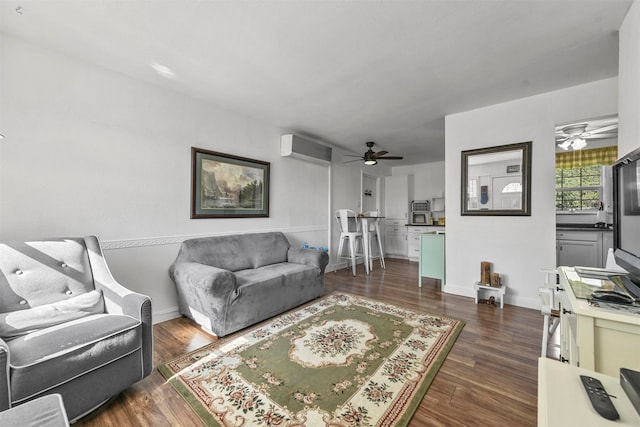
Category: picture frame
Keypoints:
(228, 186)
(486, 190)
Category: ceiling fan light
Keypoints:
(370, 162)
(578, 144)
(565, 145)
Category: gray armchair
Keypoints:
(67, 327)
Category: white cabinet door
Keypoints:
(579, 253)
(396, 244)
(413, 242)
(396, 197)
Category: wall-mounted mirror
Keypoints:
(497, 180)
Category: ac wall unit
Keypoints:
(304, 149)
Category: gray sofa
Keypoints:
(226, 283)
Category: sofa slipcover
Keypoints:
(226, 283)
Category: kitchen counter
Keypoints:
(424, 225)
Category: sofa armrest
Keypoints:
(206, 280)
(5, 387)
(313, 257)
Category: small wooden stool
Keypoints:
(499, 290)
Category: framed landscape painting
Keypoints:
(227, 186)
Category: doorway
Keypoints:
(585, 151)
(370, 193)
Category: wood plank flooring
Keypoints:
(489, 377)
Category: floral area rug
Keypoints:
(342, 360)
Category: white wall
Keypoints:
(518, 247)
(629, 82)
(90, 151)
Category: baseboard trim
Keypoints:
(166, 314)
(466, 291)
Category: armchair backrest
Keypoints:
(42, 272)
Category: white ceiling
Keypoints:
(342, 72)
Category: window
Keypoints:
(579, 189)
(512, 187)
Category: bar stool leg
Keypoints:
(340, 249)
(352, 253)
(380, 251)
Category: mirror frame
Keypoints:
(525, 210)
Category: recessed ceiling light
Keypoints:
(163, 70)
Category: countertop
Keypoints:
(583, 227)
(424, 225)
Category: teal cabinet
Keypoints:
(431, 263)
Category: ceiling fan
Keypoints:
(371, 158)
(575, 136)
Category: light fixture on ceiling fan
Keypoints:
(370, 158)
(575, 136)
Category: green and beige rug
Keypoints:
(342, 360)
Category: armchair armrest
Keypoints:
(120, 300)
(313, 257)
(5, 387)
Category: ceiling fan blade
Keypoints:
(602, 129)
(601, 136)
(380, 153)
(351, 161)
(390, 158)
(351, 155)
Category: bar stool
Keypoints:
(350, 232)
(374, 232)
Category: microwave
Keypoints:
(420, 217)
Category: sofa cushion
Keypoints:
(237, 251)
(266, 248)
(42, 272)
(224, 252)
(52, 356)
(268, 272)
(21, 322)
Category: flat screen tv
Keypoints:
(626, 219)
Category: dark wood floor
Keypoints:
(489, 377)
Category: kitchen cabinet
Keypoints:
(395, 237)
(396, 196)
(585, 248)
(413, 239)
(413, 242)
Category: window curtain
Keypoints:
(583, 158)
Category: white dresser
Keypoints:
(599, 339)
